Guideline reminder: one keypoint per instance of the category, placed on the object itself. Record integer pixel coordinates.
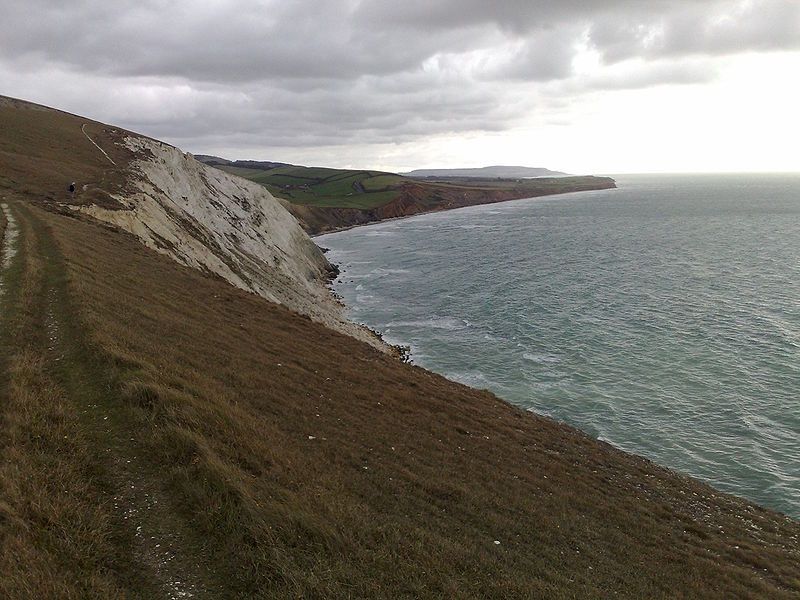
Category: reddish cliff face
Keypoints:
(416, 198)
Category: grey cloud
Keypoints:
(717, 28)
(230, 42)
(333, 72)
(223, 43)
(544, 56)
(641, 75)
(341, 114)
(518, 16)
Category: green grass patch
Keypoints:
(244, 171)
(321, 186)
(361, 201)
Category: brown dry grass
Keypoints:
(57, 537)
(290, 461)
(409, 478)
(3, 224)
(42, 151)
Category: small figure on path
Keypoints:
(72, 189)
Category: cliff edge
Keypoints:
(199, 216)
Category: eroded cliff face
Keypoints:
(207, 219)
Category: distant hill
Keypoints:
(499, 171)
(212, 160)
(259, 165)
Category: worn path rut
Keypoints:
(34, 296)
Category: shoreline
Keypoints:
(442, 210)
(387, 220)
(402, 351)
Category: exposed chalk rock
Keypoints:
(222, 224)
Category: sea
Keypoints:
(662, 317)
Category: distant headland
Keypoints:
(326, 200)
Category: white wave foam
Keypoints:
(446, 323)
(546, 359)
(387, 271)
(473, 379)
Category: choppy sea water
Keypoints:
(662, 317)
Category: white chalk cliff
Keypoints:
(207, 219)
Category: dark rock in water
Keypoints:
(332, 272)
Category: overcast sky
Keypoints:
(585, 86)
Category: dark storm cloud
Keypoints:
(357, 72)
(217, 42)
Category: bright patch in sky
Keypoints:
(744, 120)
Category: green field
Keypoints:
(320, 186)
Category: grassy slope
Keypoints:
(156, 432)
(407, 483)
(42, 151)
